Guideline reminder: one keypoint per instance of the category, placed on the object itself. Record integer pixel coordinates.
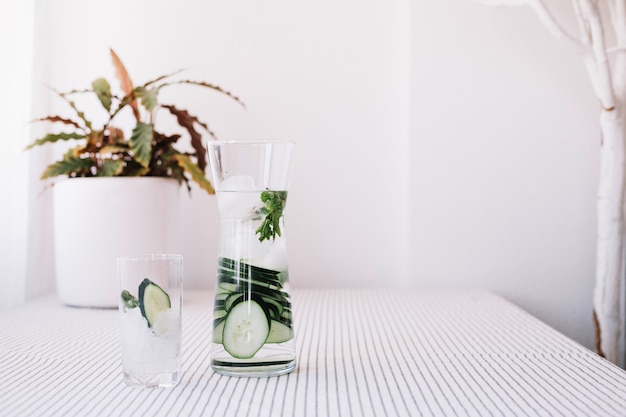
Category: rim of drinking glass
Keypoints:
(251, 142)
(151, 257)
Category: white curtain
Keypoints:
(16, 34)
(23, 210)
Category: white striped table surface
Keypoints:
(361, 352)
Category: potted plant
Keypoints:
(122, 193)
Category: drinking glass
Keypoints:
(150, 305)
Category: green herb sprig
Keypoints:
(274, 206)
(129, 300)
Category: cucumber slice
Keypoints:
(242, 286)
(152, 300)
(243, 267)
(218, 330)
(219, 314)
(279, 332)
(233, 300)
(237, 279)
(245, 329)
(276, 307)
(222, 296)
(287, 315)
(229, 286)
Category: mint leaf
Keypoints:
(273, 210)
(129, 300)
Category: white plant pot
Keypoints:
(98, 219)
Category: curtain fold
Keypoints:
(16, 49)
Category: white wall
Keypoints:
(504, 160)
(332, 76)
(492, 186)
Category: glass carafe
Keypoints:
(253, 332)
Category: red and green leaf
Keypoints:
(161, 78)
(206, 85)
(58, 119)
(195, 172)
(112, 149)
(126, 83)
(110, 168)
(80, 114)
(114, 136)
(141, 143)
(70, 164)
(134, 169)
(187, 121)
(148, 97)
(55, 137)
(102, 88)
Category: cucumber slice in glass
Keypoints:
(279, 332)
(152, 300)
(218, 331)
(233, 300)
(245, 329)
